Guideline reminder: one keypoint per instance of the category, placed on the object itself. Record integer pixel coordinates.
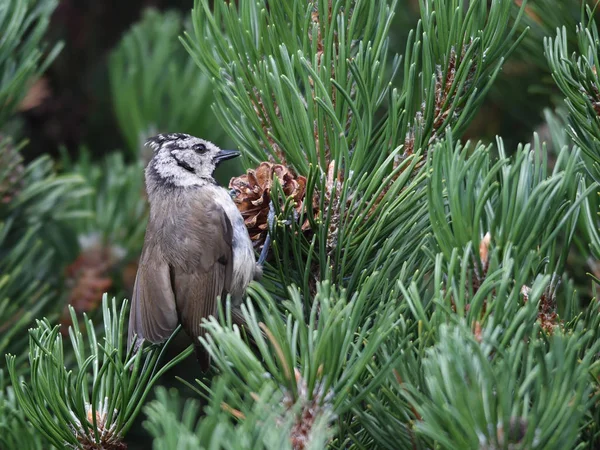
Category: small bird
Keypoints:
(196, 247)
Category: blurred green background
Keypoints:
(77, 107)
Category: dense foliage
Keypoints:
(420, 290)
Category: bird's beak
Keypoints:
(225, 154)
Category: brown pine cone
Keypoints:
(253, 195)
(11, 170)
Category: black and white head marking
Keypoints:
(184, 160)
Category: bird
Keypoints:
(196, 247)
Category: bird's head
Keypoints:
(186, 160)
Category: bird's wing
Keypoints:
(153, 314)
(203, 271)
(181, 274)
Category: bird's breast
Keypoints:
(244, 262)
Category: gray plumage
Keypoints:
(196, 247)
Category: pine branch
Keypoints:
(479, 388)
(24, 23)
(590, 320)
(308, 95)
(94, 404)
(15, 431)
(505, 397)
(504, 287)
(308, 103)
(34, 240)
(315, 360)
(263, 423)
(450, 63)
(577, 78)
(584, 255)
(520, 203)
(301, 86)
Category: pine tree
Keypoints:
(420, 290)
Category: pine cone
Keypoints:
(11, 171)
(253, 195)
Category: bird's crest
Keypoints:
(157, 141)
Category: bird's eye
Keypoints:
(200, 148)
